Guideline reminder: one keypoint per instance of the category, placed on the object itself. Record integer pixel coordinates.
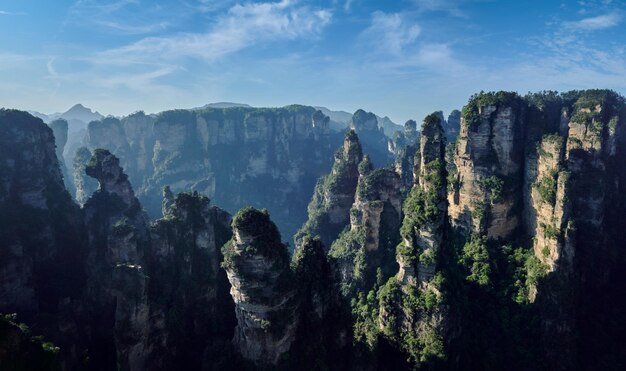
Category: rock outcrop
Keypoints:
(489, 162)
(257, 265)
(452, 126)
(59, 129)
(84, 185)
(404, 146)
(41, 232)
(334, 194)
(367, 246)
(425, 209)
(373, 139)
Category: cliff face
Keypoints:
(536, 173)
(105, 286)
(189, 300)
(506, 250)
(233, 155)
(425, 209)
(183, 310)
(257, 265)
(489, 155)
(374, 141)
(408, 313)
(452, 126)
(59, 129)
(334, 194)
(367, 245)
(84, 185)
(404, 145)
(41, 234)
(116, 292)
(323, 332)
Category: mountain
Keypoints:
(78, 116)
(239, 156)
(339, 120)
(502, 250)
(224, 105)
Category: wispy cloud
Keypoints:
(241, 27)
(126, 17)
(390, 32)
(4, 12)
(134, 30)
(596, 23)
(452, 7)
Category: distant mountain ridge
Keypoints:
(78, 116)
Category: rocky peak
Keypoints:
(257, 266)
(425, 208)
(105, 168)
(364, 121)
(352, 151)
(321, 121)
(452, 125)
(28, 159)
(490, 149)
(431, 139)
(329, 209)
(410, 130)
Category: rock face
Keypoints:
(59, 128)
(234, 155)
(489, 154)
(189, 291)
(334, 194)
(452, 126)
(184, 308)
(372, 137)
(41, 234)
(404, 146)
(425, 209)
(117, 285)
(257, 265)
(509, 251)
(84, 185)
(367, 246)
(105, 286)
(419, 256)
(323, 322)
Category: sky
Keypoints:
(399, 58)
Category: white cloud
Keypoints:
(242, 26)
(452, 7)
(596, 23)
(390, 32)
(50, 66)
(4, 12)
(133, 30)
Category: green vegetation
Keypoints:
(475, 257)
(266, 238)
(422, 207)
(550, 231)
(470, 113)
(494, 186)
(20, 350)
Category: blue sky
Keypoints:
(402, 58)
